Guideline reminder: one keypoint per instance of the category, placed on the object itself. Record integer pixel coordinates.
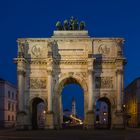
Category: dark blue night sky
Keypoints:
(37, 18)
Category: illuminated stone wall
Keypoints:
(46, 65)
(132, 103)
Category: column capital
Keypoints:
(119, 71)
(49, 72)
(21, 72)
(91, 71)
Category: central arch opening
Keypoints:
(72, 100)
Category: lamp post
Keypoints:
(124, 115)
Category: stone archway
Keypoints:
(57, 98)
(38, 113)
(103, 113)
(45, 64)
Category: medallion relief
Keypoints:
(103, 49)
(36, 50)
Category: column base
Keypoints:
(22, 122)
(89, 121)
(118, 122)
(23, 127)
(49, 120)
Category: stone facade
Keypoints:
(46, 65)
(132, 103)
(8, 104)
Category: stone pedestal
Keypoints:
(49, 120)
(89, 124)
(118, 120)
(68, 34)
(22, 122)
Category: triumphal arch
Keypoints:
(70, 55)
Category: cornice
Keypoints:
(70, 62)
(105, 61)
(106, 39)
(18, 60)
(38, 61)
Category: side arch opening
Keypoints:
(103, 113)
(38, 113)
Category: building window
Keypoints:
(9, 105)
(12, 107)
(12, 118)
(8, 117)
(16, 96)
(8, 94)
(16, 106)
(12, 95)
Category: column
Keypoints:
(49, 114)
(118, 118)
(89, 120)
(20, 122)
(21, 83)
(49, 87)
(122, 95)
(90, 89)
(119, 90)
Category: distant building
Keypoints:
(73, 109)
(132, 103)
(8, 104)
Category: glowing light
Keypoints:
(44, 112)
(104, 113)
(80, 121)
(97, 122)
(67, 122)
(124, 105)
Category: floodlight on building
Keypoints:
(44, 112)
(123, 105)
(104, 113)
(104, 119)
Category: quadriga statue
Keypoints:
(59, 25)
(66, 25)
(82, 25)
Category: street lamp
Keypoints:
(124, 114)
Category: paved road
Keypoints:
(70, 134)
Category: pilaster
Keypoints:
(49, 124)
(119, 90)
(22, 116)
(118, 116)
(50, 114)
(91, 88)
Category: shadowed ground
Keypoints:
(70, 134)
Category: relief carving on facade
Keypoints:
(82, 74)
(103, 49)
(104, 82)
(36, 50)
(36, 83)
(21, 48)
